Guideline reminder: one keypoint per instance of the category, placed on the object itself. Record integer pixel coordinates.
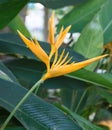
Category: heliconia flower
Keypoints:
(61, 64)
(64, 66)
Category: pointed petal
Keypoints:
(51, 29)
(53, 47)
(60, 58)
(55, 59)
(35, 48)
(68, 61)
(53, 50)
(64, 59)
(62, 35)
(65, 69)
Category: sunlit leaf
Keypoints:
(90, 42)
(18, 24)
(81, 15)
(92, 77)
(106, 21)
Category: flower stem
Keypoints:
(35, 86)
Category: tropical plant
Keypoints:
(83, 101)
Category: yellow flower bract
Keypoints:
(61, 64)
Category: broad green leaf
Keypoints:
(82, 14)
(87, 11)
(6, 74)
(9, 9)
(92, 77)
(26, 71)
(90, 42)
(34, 113)
(58, 3)
(106, 94)
(17, 24)
(84, 124)
(106, 21)
(29, 71)
(107, 76)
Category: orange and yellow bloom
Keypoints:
(61, 64)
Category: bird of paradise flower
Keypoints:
(61, 64)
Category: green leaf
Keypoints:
(6, 74)
(85, 12)
(17, 24)
(106, 21)
(81, 15)
(90, 42)
(92, 77)
(106, 94)
(58, 3)
(29, 71)
(84, 124)
(26, 71)
(34, 113)
(9, 9)
(107, 76)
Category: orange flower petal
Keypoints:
(61, 37)
(51, 29)
(59, 41)
(35, 48)
(65, 69)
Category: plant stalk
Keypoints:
(35, 86)
(81, 99)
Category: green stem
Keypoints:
(36, 85)
(82, 97)
(74, 95)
